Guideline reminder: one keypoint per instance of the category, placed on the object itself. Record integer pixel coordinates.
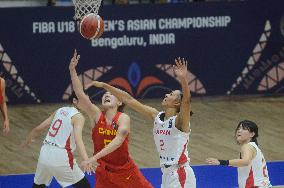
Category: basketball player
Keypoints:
(110, 133)
(171, 128)
(3, 107)
(56, 155)
(252, 170)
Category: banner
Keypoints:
(232, 48)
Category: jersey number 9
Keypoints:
(55, 128)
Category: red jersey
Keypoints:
(103, 134)
(1, 96)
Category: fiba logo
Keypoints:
(282, 25)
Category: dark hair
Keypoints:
(180, 98)
(251, 127)
(121, 107)
(71, 97)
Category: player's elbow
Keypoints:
(119, 142)
(127, 99)
(245, 163)
(80, 94)
(78, 140)
(37, 130)
(186, 99)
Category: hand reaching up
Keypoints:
(180, 68)
(74, 61)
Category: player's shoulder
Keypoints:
(124, 115)
(78, 115)
(69, 111)
(249, 146)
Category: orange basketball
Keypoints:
(91, 26)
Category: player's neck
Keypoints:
(245, 142)
(110, 113)
(169, 112)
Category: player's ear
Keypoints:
(119, 103)
(177, 103)
(252, 134)
(75, 102)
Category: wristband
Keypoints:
(224, 162)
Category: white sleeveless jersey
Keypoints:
(61, 133)
(171, 143)
(255, 174)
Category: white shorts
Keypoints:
(56, 162)
(178, 177)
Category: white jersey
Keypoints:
(255, 174)
(61, 133)
(171, 143)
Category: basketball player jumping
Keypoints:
(56, 155)
(171, 128)
(110, 133)
(3, 107)
(252, 170)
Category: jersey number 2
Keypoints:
(55, 128)
(162, 144)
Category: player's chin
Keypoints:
(239, 140)
(107, 105)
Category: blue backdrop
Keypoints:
(206, 177)
(232, 47)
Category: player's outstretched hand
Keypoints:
(212, 161)
(180, 68)
(74, 61)
(6, 127)
(88, 166)
(91, 169)
(26, 143)
(94, 83)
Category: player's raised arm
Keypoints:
(84, 102)
(37, 131)
(127, 99)
(180, 69)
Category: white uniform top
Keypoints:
(61, 133)
(255, 174)
(171, 143)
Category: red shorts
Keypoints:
(129, 176)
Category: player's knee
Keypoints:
(83, 183)
(38, 186)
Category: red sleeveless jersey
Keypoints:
(1, 96)
(103, 134)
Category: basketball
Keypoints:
(91, 26)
